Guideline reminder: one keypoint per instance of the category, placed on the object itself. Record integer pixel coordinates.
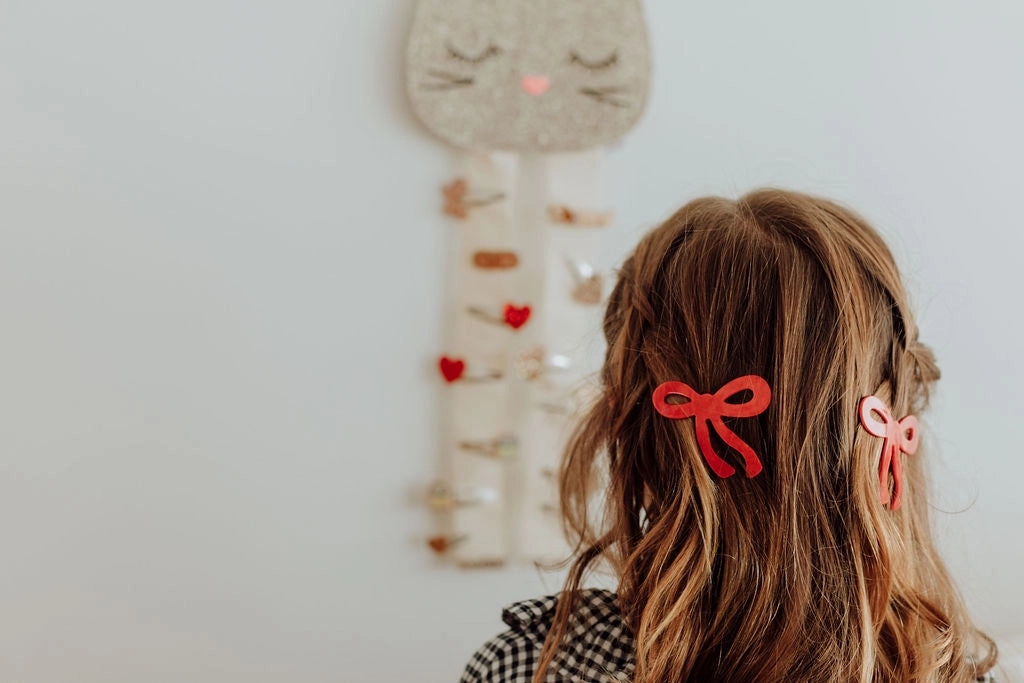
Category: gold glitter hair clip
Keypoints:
(441, 497)
(504, 447)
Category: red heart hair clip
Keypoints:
(713, 407)
(900, 436)
(452, 368)
(516, 316)
(458, 198)
(511, 315)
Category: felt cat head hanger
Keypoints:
(528, 75)
(525, 90)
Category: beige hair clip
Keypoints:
(531, 364)
(502, 448)
(441, 497)
(588, 284)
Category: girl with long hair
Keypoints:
(752, 470)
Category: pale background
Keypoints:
(220, 276)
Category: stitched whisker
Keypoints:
(446, 86)
(449, 80)
(605, 89)
(604, 97)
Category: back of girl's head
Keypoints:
(798, 573)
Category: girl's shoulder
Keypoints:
(600, 645)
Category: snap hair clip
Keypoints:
(900, 436)
(588, 284)
(563, 215)
(512, 315)
(531, 364)
(458, 199)
(454, 370)
(441, 497)
(552, 408)
(503, 448)
(713, 407)
(495, 260)
(442, 544)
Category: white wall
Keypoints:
(220, 274)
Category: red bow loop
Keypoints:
(712, 408)
(899, 436)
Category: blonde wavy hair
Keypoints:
(799, 573)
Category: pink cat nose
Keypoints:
(536, 85)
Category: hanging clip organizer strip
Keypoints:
(528, 91)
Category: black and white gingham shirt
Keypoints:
(601, 649)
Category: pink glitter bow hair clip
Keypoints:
(712, 408)
(900, 436)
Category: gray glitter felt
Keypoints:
(467, 61)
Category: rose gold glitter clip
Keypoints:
(442, 544)
(563, 215)
(458, 199)
(495, 260)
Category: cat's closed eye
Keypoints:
(462, 56)
(595, 65)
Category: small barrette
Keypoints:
(441, 497)
(458, 199)
(553, 408)
(512, 315)
(495, 260)
(502, 448)
(713, 407)
(533, 363)
(549, 474)
(442, 544)
(588, 284)
(454, 370)
(584, 219)
(901, 436)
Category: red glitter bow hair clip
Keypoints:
(901, 436)
(712, 408)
